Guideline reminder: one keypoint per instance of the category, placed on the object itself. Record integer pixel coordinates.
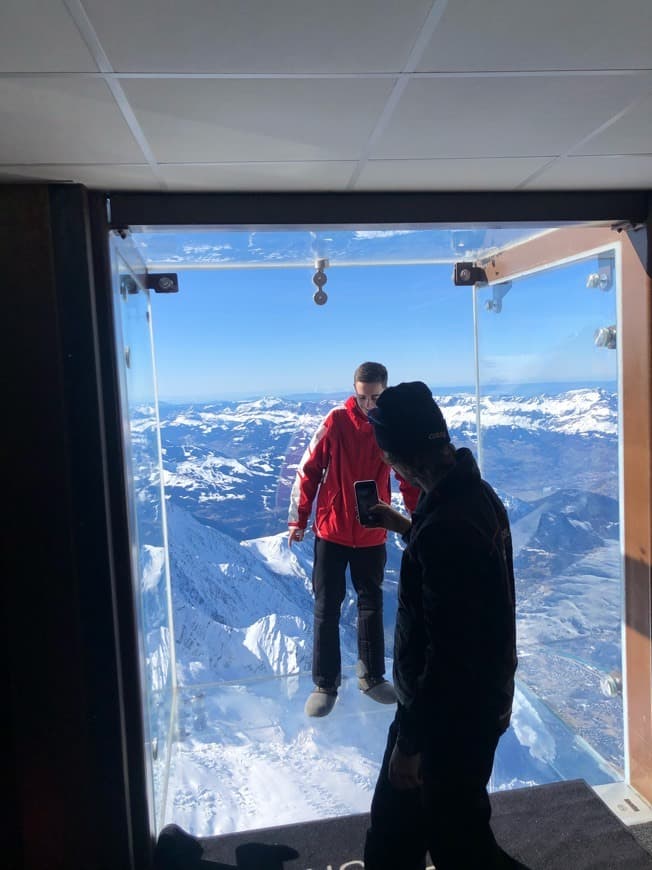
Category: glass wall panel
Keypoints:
(248, 368)
(548, 411)
(146, 514)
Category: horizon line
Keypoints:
(448, 389)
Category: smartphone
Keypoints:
(366, 496)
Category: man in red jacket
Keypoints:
(342, 451)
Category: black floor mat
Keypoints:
(561, 826)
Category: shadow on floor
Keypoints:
(177, 850)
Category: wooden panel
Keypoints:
(550, 247)
(636, 343)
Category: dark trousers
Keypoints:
(447, 816)
(367, 565)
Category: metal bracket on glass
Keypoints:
(603, 279)
(163, 282)
(128, 286)
(499, 293)
(319, 279)
(626, 226)
(606, 336)
(467, 274)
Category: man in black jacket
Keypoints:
(454, 649)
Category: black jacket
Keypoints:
(455, 641)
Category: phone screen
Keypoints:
(366, 496)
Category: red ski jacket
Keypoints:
(342, 451)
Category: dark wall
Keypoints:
(74, 800)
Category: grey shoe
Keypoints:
(378, 689)
(320, 701)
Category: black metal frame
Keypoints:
(107, 619)
(300, 210)
(131, 701)
(80, 417)
(359, 209)
(94, 525)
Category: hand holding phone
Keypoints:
(366, 496)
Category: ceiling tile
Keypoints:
(631, 134)
(257, 35)
(307, 176)
(503, 116)
(39, 36)
(474, 174)
(512, 35)
(63, 120)
(125, 177)
(210, 121)
(596, 173)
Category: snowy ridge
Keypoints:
(575, 412)
(233, 617)
(241, 610)
(233, 464)
(572, 412)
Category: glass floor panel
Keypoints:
(247, 757)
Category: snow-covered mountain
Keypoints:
(574, 412)
(244, 610)
(242, 605)
(231, 464)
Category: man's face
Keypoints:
(367, 395)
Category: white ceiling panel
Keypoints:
(482, 116)
(309, 176)
(303, 95)
(257, 35)
(131, 177)
(631, 134)
(596, 173)
(38, 36)
(479, 174)
(511, 35)
(210, 121)
(63, 120)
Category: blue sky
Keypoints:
(234, 332)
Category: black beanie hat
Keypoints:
(406, 417)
